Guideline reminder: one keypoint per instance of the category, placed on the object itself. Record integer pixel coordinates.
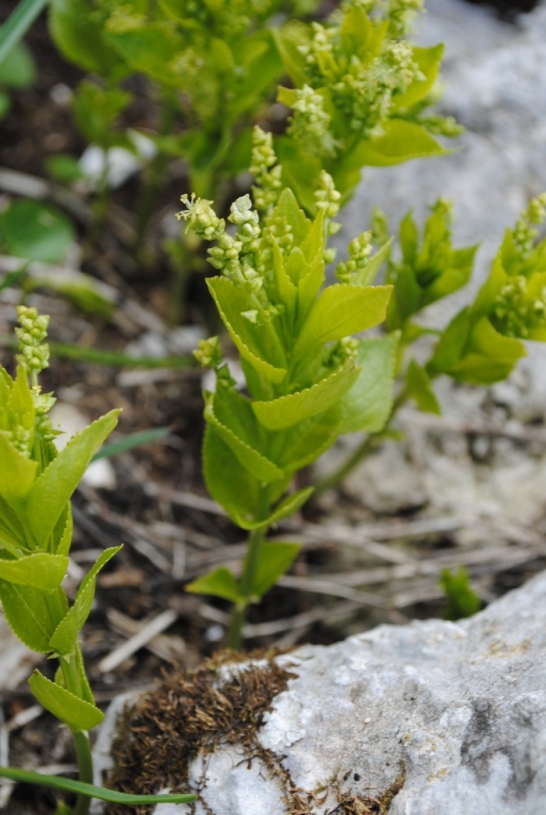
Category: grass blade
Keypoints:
(18, 23)
(130, 441)
(55, 782)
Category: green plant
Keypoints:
(360, 91)
(208, 67)
(308, 378)
(462, 600)
(361, 96)
(36, 484)
(483, 342)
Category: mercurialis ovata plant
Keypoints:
(36, 483)
(308, 377)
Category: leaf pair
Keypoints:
(275, 560)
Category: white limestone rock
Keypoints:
(461, 707)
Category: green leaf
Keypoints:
(293, 61)
(237, 493)
(284, 509)
(257, 344)
(258, 464)
(96, 110)
(407, 296)
(41, 571)
(54, 487)
(64, 540)
(27, 613)
(17, 70)
(305, 442)
(409, 238)
(275, 560)
(451, 345)
(66, 633)
(288, 213)
(454, 277)
(286, 411)
(10, 544)
(287, 291)
(490, 357)
(218, 583)
(150, 50)
(300, 172)
(17, 472)
(78, 32)
(65, 706)
(35, 231)
(401, 141)
(340, 311)
(367, 406)
(289, 505)
(420, 389)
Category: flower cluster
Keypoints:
(328, 200)
(516, 310)
(201, 218)
(524, 232)
(362, 85)
(310, 124)
(341, 351)
(34, 352)
(266, 171)
(366, 90)
(208, 353)
(239, 257)
(319, 54)
(360, 249)
(23, 418)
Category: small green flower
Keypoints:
(34, 352)
(201, 218)
(360, 249)
(310, 125)
(208, 353)
(328, 199)
(266, 171)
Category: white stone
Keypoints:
(462, 705)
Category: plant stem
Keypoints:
(248, 578)
(362, 452)
(85, 769)
(82, 745)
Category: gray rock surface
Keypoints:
(461, 707)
